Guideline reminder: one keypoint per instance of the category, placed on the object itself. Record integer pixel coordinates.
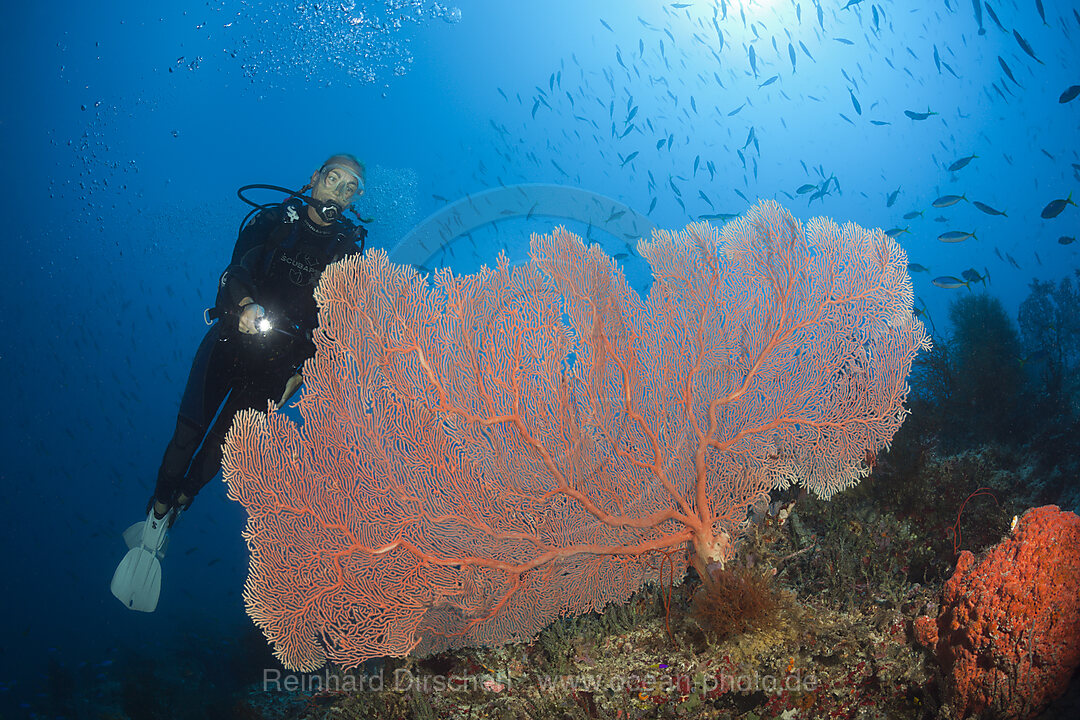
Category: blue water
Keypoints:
(126, 129)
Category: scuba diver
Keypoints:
(265, 313)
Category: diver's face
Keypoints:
(338, 184)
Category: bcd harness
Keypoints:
(285, 235)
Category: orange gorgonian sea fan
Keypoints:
(481, 454)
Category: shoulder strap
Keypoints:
(278, 237)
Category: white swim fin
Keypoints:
(137, 580)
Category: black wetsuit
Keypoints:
(277, 262)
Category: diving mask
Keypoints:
(341, 182)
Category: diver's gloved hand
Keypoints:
(250, 316)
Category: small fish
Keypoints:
(1008, 72)
(880, 122)
(956, 236)
(736, 110)
(994, 17)
(770, 81)
(724, 217)
(961, 163)
(896, 232)
(892, 197)
(803, 189)
(819, 194)
(916, 267)
(948, 200)
(987, 209)
(1025, 47)
(615, 215)
(855, 103)
(919, 115)
(1054, 207)
(749, 138)
(1066, 240)
(605, 24)
(950, 283)
(620, 256)
(629, 157)
(1069, 94)
(978, 15)
(913, 214)
(972, 275)
(652, 206)
(843, 41)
